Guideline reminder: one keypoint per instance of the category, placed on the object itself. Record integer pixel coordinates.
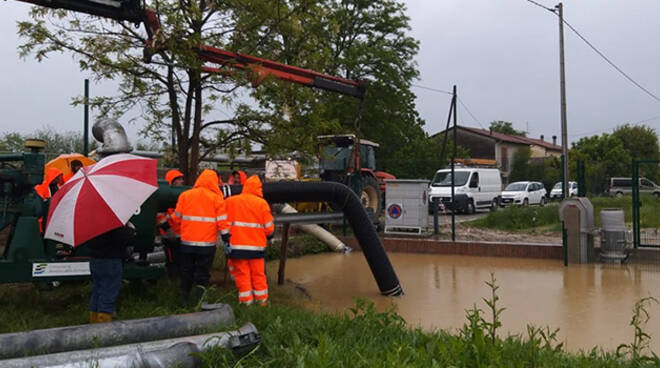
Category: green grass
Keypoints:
(535, 218)
(292, 335)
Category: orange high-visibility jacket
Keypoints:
(174, 230)
(43, 189)
(201, 213)
(251, 221)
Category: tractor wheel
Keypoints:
(370, 196)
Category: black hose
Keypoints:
(347, 200)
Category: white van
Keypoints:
(473, 188)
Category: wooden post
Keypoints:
(283, 249)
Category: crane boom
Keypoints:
(259, 68)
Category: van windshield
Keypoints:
(443, 178)
(558, 186)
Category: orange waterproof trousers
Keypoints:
(250, 279)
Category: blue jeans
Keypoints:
(106, 280)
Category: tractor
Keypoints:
(352, 161)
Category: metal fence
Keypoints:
(646, 203)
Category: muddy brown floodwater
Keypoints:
(590, 304)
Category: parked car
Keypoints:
(556, 191)
(620, 186)
(473, 188)
(524, 193)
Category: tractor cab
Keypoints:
(340, 161)
(337, 153)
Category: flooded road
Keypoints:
(590, 304)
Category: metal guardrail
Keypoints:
(310, 218)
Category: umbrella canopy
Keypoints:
(100, 198)
(63, 162)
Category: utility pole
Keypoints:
(453, 173)
(562, 77)
(86, 122)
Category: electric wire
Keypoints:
(471, 114)
(459, 100)
(611, 63)
(597, 51)
(541, 6)
(432, 89)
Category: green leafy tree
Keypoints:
(641, 142)
(355, 39)
(11, 142)
(604, 156)
(505, 127)
(423, 158)
(547, 170)
(520, 165)
(57, 142)
(174, 95)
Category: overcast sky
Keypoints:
(502, 55)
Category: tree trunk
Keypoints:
(197, 121)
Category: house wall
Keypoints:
(504, 153)
(540, 152)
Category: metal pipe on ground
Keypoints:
(55, 340)
(322, 234)
(357, 216)
(179, 352)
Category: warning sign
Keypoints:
(394, 211)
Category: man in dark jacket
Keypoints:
(108, 252)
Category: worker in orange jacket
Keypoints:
(51, 183)
(251, 224)
(236, 178)
(76, 165)
(170, 231)
(201, 213)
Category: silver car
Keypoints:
(620, 186)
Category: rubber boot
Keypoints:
(103, 317)
(93, 317)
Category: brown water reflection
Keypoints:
(591, 304)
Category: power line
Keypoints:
(611, 63)
(471, 114)
(542, 6)
(599, 52)
(432, 89)
(459, 100)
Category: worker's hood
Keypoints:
(253, 186)
(50, 175)
(172, 174)
(208, 179)
(243, 176)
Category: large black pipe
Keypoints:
(348, 201)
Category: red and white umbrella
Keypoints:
(100, 197)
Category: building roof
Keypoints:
(510, 138)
